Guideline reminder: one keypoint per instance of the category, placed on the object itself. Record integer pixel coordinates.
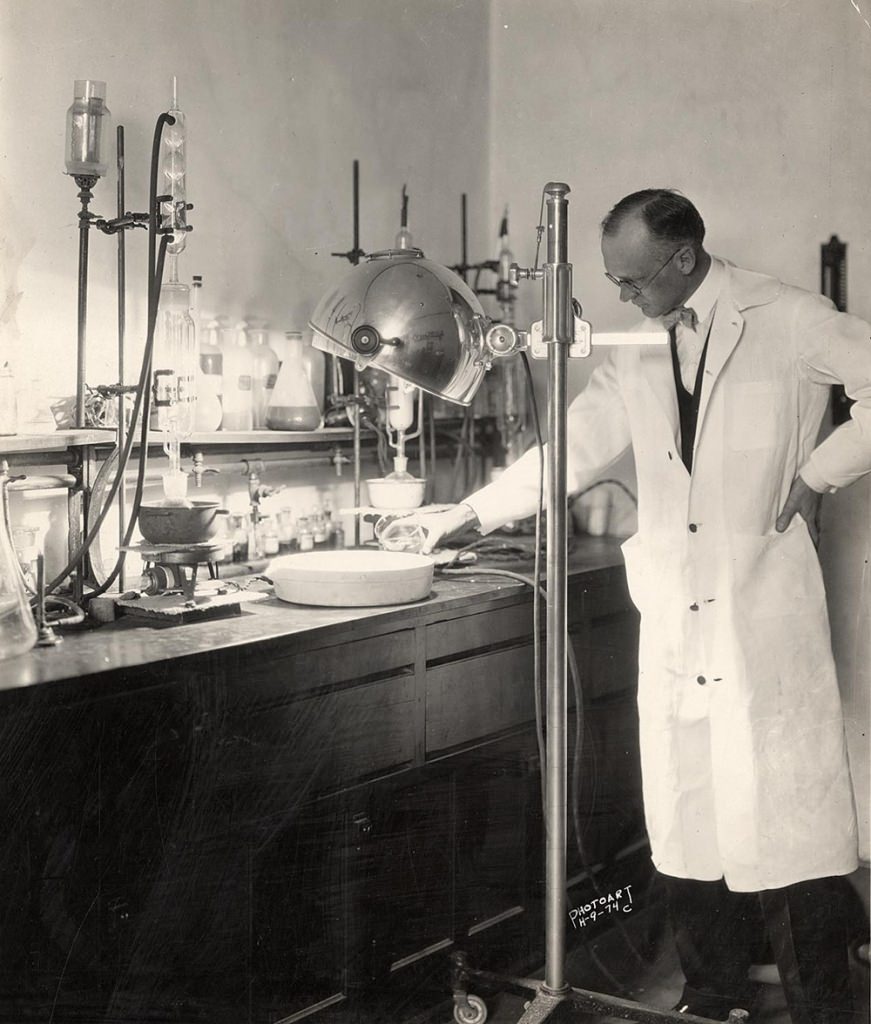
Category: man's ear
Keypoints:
(687, 260)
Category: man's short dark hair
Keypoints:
(669, 216)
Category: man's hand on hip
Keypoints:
(806, 502)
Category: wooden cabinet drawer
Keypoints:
(284, 755)
(473, 632)
(474, 697)
(272, 675)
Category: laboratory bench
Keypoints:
(298, 813)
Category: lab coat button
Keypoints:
(693, 527)
(701, 680)
(694, 607)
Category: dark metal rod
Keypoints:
(557, 324)
(464, 240)
(357, 417)
(85, 183)
(356, 257)
(122, 327)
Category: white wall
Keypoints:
(280, 97)
(759, 111)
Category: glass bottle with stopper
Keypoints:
(238, 378)
(210, 368)
(265, 372)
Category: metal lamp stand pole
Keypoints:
(558, 334)
(558, 323)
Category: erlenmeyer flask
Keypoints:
(17, 628)
(293, 405)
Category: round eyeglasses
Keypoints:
(637, 289)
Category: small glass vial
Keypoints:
(286, 529)
(304, 535)
(268, 536)
(329, 522)
(240, 539)
(319, 527)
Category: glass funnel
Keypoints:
(17, 628)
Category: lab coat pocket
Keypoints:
(782, 622)
(656, 574)
(778, 574)
(755, 412)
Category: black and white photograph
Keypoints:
(435, 458)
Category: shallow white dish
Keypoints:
(388, 494)
(351, 579)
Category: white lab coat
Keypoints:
(744, 764)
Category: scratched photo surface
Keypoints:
(277, 812)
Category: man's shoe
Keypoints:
(715, 1007)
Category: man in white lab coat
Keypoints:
(747, 793)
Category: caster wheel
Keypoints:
(476, 1014)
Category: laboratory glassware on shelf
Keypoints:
(294, 405)
(18, 631)
(265, 372)
(313, 361)
(238, 379)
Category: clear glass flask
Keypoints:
(17, 627)
(293, 405)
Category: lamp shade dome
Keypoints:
(405, 315)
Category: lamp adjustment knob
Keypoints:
(365, 340)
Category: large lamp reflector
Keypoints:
(403, 314)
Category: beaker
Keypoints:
(397, 533)
(293, 405)
(17, 627)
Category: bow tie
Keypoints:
(680, 315)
